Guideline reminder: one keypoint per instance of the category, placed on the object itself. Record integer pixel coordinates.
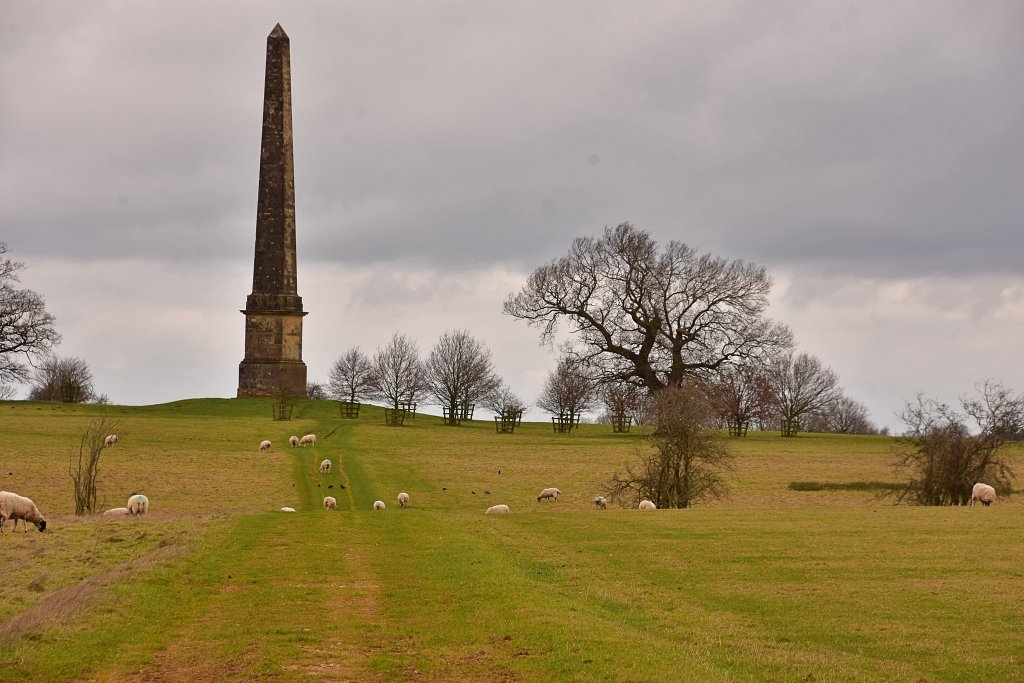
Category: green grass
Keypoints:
(215, 584)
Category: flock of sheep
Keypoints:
(17, 507)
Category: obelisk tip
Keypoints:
(278, 32)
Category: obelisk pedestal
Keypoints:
(273, 312)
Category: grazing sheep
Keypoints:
(549, 493)
(647, 505)
(264, 446)
(287, 509)
(116, 512)
(330, 503)
(138, 504)
(110, 440)
(983, 492)
(403, 499)
(293, 440)
(378, 505)
(325, 467)
(308, 439)
(600, 503)
(497, 510)
(13, 506)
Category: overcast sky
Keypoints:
(870, 155)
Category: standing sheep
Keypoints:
(549, 493)
(983, 492)
(13, 506)
(330, 503)
(497, 510)
(110, 440)
(647, 505)
(308, 439)
(293, 440)
(378, 505)
(264, 446)
(403, 499)
(600, 503)
(325, 467)
(138, 504)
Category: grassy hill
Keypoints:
(215, 584)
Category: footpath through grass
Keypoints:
(754, 588)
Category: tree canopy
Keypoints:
(27, 331)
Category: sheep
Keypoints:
(378, 505)
(110, 440)
(308, 439)
(138, 504)
(983, 492)
(13, 506)
(293, 440)
(497, 510)
(116, 512)
(325, 467)
(549, 493)
(287, 509)
(600, 503)
(647, 505)
(330, 503)
(403, 499)
(264, 446)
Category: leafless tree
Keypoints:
(621, 398)
(568, 390)
(802, 385)
(687, 458)
(743, 394)
(27, 331)
(844, 415)
(84, 466)
(68, 380)
(504, 402)
(650, 316)
(351, 377)
(397, 371)
(946, 451)
(315, 391)
(459, 371)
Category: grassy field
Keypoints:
(773, 583)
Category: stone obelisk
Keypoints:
(273, 312)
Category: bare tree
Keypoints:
(504, 402)
(687, 458)
(84, 467)
(802, 385)
(351, 377)
(844, 415)
(568, 390)
(27, 331)
(68, 380)
(315, 391)
(459, 371)
(397, 371)
(743, 394)
(621, 398)
(650, 316)
(945, 457)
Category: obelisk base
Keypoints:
(278, 379)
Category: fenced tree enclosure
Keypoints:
(351, 377)
(802, 385)
(397, 374)
(569, 391)
(743, 395)
(652, 316)
(459, 372)
(946, 451)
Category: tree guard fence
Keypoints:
(349, 409)
(282, 411)
(462, 411)
(508, 421)
(737, 427)
(621, 423)
(395, 417)
(563, 423)
(790, 427)
(409, 407)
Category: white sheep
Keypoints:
(549, 493)
(264, 446)
(308, 439)
(647, 505)
(110, 440)
(983, 492)
(378, 505)
(325, 467)
(13, 506)
(403, 499)
(116, 512)
(138, 504)
(330, 503)
(287, 509)
(293, 440)
(600, 503)
(497, 510)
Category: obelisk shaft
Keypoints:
(273, 312)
